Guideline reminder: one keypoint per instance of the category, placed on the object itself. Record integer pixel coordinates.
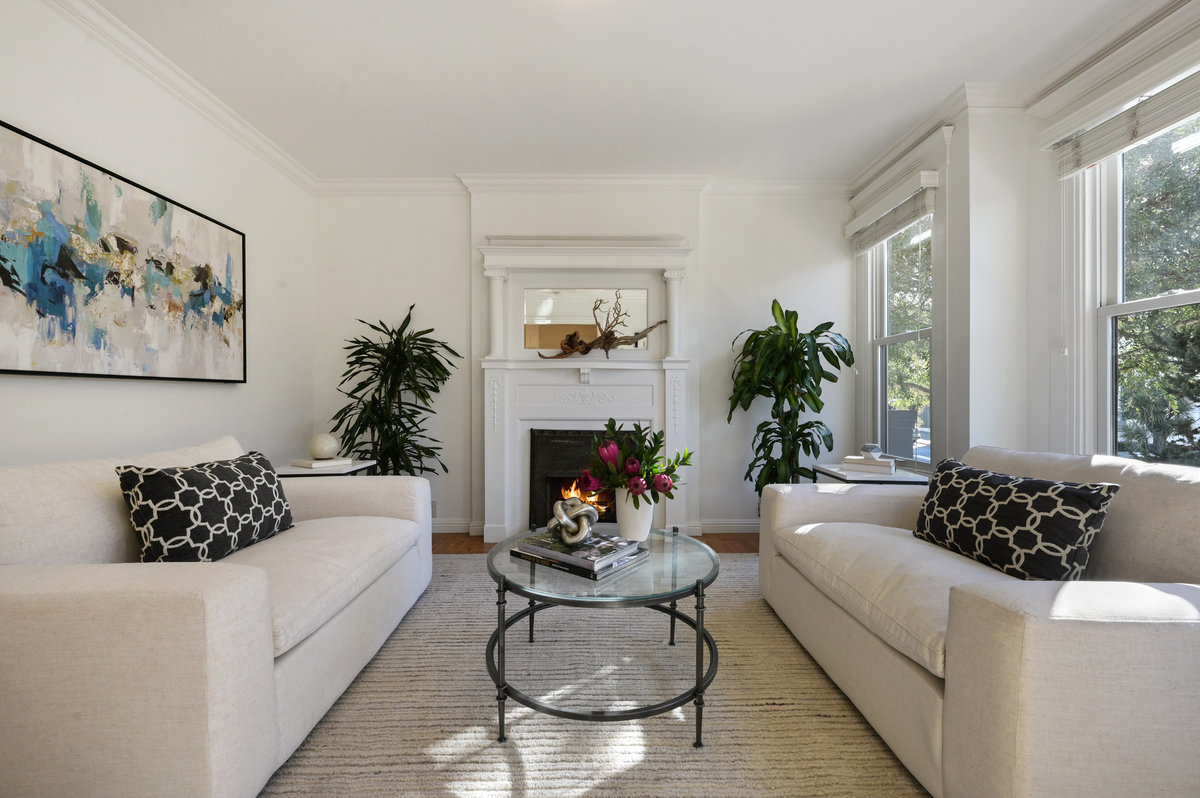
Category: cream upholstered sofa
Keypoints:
(129, 679)
(987, 685)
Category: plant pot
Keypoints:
(633, 523)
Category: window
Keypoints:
(1149, 314)
(901, 273)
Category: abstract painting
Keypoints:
(102, 277)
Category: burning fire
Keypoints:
(595, 499)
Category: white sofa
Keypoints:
(187, 679)
(987, 685)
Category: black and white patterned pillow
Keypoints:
(204, 512)
(1028, 528)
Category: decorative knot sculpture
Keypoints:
(573, 519)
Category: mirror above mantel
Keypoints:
(550, 314)
(524, 272)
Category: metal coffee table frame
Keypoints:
(665, 603)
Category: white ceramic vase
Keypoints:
(633, 523)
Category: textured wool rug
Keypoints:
(421, 718)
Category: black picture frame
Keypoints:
(101, 276)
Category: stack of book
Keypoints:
(869, 464)
(596, 557)
(332, 462)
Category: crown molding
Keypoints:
(479, 183)
(924, 147)
(389, 187)
(107, 29)
(777, 188)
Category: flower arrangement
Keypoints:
(633, 460)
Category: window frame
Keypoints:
(873, 379)
(1106, 304)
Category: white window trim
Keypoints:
(872, 386)
(1091, 291)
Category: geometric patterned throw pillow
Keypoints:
(204, 512)
(1028, 528)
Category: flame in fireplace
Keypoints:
(594, 499)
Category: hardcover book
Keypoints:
(593, 553)
(620, 564)
(335, 462)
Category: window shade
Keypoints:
(895, 220)
(1150, 116)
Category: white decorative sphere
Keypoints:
(324, 446)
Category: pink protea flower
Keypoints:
(632, 466)
(609, 453)
(588, 482)
(637, 486)
(663, 483)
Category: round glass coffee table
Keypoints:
(678, 567)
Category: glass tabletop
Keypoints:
(675, 564)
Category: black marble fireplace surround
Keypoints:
(556, 457)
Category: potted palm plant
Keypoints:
(788, 367)
(392, 381)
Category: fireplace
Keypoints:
(556, 457)
(526, 396)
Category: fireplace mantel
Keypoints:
(523, 392)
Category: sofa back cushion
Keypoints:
(1149, 534)
(73, 512)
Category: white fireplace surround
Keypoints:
(523, 392)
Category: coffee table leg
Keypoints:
(673, 604)
(699, 663)
(502, 684)
(531, 603)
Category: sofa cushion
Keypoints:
(73, 512)
(204, 512)
(892, 583)
(1027, 528)
(318, 566)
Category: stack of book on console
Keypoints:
(594, 558)
(869, 464)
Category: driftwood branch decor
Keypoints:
(608, 339)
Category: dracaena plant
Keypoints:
(787, 367)
(392, 380)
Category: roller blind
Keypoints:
(1135, 124)
(918, 205)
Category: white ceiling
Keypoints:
(804, 90)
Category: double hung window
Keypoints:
(1148, 316)
(899, 272)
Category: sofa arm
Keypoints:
(388, 496)
(136, 679)
(792, 506)
(334, 497)
(1072, 688)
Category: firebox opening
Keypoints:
(565, 487)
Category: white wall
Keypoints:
(376, 256)
(317, 264)
(73, 91)
(755, 248)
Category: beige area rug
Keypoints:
(421, 717)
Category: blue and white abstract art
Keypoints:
(102, 277)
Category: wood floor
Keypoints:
(720, 542)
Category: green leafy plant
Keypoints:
(633, 460)
(392, 382)
(785, 365)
